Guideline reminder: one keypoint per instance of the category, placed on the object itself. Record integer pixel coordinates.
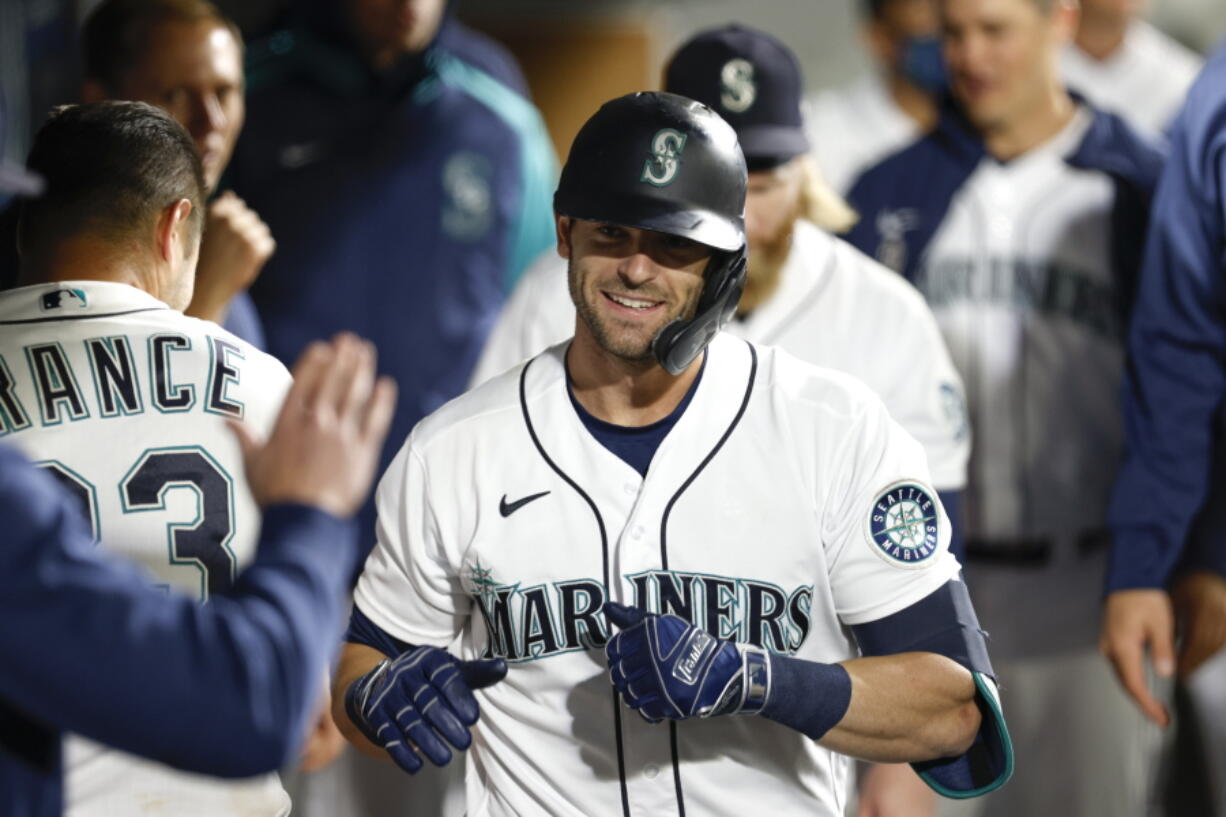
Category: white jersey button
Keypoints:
(650, 771)
(631, 489)
(637, 532)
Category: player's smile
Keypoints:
(631, 305)
(627, 283)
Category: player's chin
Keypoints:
(983, 109)
(634, 349)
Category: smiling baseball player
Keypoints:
(659, 516)
(807, 291)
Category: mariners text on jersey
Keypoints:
(753, 521)
(526, 623)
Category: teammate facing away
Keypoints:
(1020, 217)
(656, 500)
(104, 383)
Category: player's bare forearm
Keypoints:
(906, 708)
(356, 661)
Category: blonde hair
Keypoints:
(819, 203)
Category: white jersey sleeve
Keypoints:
(886, 534)
(538, 314)
(913, 372)
(836, 307)
(410, 586)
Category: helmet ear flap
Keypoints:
(678, 343)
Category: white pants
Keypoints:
(1207, 689)
(360, 786)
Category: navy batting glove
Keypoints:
(665, 667)
(416, 700)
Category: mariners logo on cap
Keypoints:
(903, 525)
(737, 90)
(661, 168)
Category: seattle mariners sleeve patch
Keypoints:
(904, 525)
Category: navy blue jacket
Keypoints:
(88, 645)
(924, 177)
(1175, 380)
(404, 204)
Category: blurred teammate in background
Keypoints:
(407, 188)
(185, 57)
(1122, 64)
(1020, 218)
(854, 127)
(1168, 561)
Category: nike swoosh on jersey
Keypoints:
(507, 508)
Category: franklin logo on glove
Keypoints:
(699, 645)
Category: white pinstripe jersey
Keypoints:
(784, 505)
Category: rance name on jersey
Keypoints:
(125, 402)
(505, 522)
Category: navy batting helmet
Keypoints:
(666, 163)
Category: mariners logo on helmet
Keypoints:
(903, 524)
(737, 89)
(661, 168)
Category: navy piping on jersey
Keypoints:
(740, 412)
(769, 339)
(84, 317)
(604, 549)
(635, 445)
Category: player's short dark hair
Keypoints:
(118, 32)
(110, 169)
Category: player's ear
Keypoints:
(174, 231)
(562, 225)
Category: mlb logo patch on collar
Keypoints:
(63, 298)
(904, 525)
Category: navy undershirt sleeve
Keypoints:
(364, 631)
(807, 696)
(812, 697)
(943, 622)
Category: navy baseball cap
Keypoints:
(750, 79)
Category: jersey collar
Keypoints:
(69, 300)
